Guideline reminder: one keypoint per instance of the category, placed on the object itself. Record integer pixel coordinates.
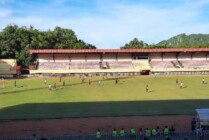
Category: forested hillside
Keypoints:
(179, 41)
(15, 41)
(186, 41)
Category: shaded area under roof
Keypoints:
(203, 114)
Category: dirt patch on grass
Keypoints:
(76, 126)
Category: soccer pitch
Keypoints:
(31, 98)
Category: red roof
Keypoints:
(46, 51)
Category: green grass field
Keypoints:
(32, 99)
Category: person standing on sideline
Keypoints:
(154, 132)
(166, 131)
(193, 124)
(141, 133)
(122, 132)
(98, 134)
(99, 83)
(34, 137)
(148, 133)
(114, 133)
(133, 133)
(158, 129)
(63, 84)
(172, 130)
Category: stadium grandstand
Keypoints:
(170, 61)
(8, 67)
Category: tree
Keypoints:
(134, 44)
(15, 41)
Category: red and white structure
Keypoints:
(176, 60)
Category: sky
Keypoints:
(110, 23)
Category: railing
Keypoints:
(180, 69)
(172, 136)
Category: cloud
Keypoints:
(5, 12)
(145, 22)
(112, 24)
(3, 2)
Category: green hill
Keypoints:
(186, 41)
